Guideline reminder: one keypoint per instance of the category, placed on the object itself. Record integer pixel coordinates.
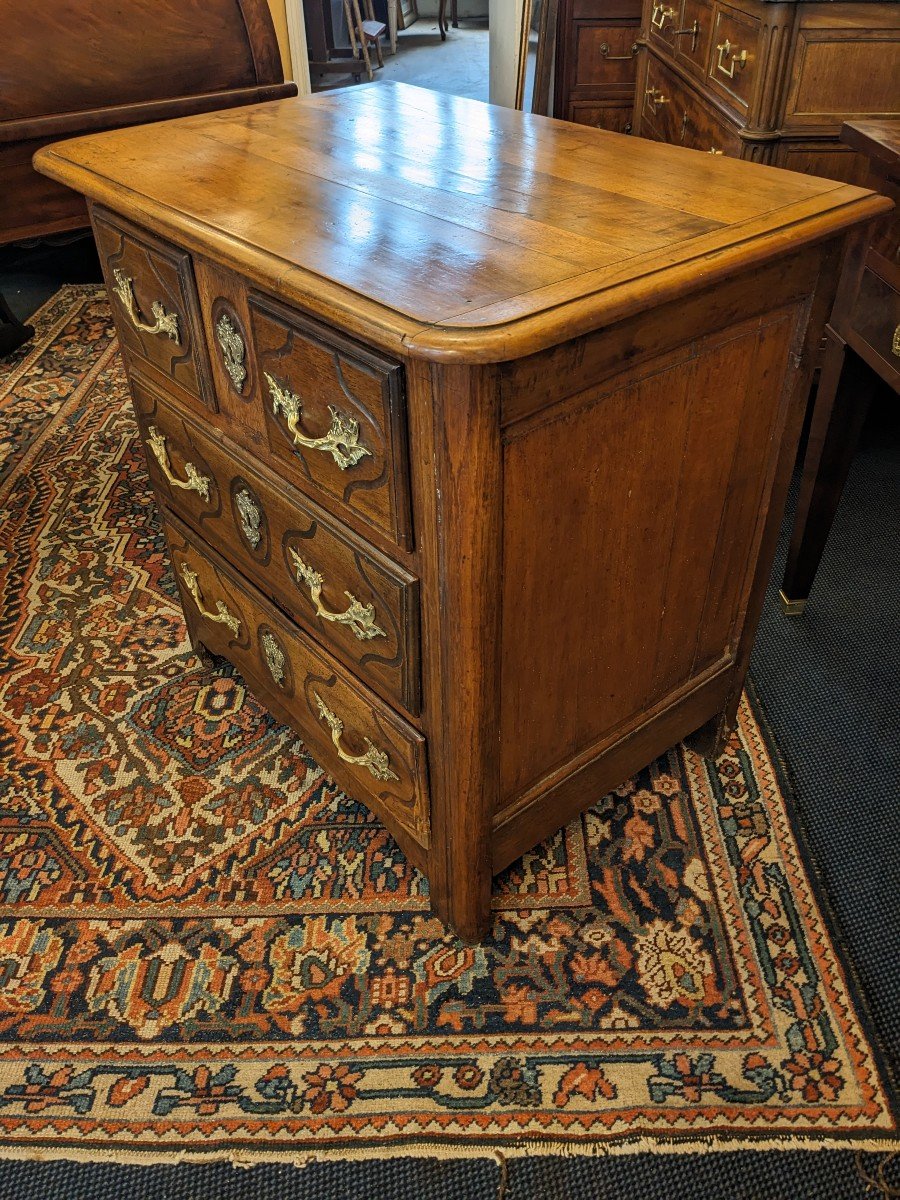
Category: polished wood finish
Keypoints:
(596, 62)
(863, 343)
(768, 80)
(577, 362)
(72, 67)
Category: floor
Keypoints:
(828, 683)
(458, 66)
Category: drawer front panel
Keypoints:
(664, 18)
(614, 117)
(733, 58)
(154, 300)
(371, 751)
(334, 416)
(876, 318)
(662, 103)
(675, 114)
(345, 593)
(694, 36)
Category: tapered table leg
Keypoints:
(840, 409)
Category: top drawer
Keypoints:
(733, 57)
(154, 300)
(334, 417)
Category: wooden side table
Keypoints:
(863, 341)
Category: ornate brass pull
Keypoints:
(195, 482)
(274, 656)
(664, 13)
(342, 439)
(166, 322)
(222, 615)
(895, 342)
(693, 30)
(360, 617)
(656, 98)
(233, 350)
(736, 57)
(374, 760)
(250, 517)
(604, 50)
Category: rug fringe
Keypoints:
(639, 1144)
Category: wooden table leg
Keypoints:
(454, 16)
(841, 404)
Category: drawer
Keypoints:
(375, 755)
(664, 20)
(605, 56)
(675, 113)
(705, 130)
(662, 103)
(733, 56)
(614, 117)
(875, 318)
(694, 36)
(154, 301)
(335, 418)
(344, 592)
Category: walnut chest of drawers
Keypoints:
(768, 80)
(471, 433)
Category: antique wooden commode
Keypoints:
(471, 433)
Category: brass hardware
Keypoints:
(166, 322)
(342, 439)
(604, 50)
(195, 482)
(250, 517)
(374, 760)
(738, 58)
(233, 350)
(693, 30)
(713, 150)
(664, 13)
(791, 608)
(274, 656)
(656, 98)
(222, 615)
(895, 342)
(360, 617)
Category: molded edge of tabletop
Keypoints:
(602, 300)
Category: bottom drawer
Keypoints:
(375, 755)
(875, 318)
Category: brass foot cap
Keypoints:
(791, 608)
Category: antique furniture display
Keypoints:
(863, 342)
(768, 80)
(73, 67)
(471, 433)
(596, 62)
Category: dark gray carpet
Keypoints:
(829, 685)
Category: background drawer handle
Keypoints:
(604, 50)
(195, 482)
(374, 760)
(663, 12)
(360, 617)
(895, 342)
(342, 439)
(166, 322)
(736, 57)
(222, 615)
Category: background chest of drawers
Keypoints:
(596, 62)
(471, 433)
(767, 80)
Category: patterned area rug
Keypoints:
(206, 948)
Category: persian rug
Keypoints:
(207, 949)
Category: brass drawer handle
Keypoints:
(895, 342)
(233, 350)
(736, 57)
(342, 439)
(222, 615)
(166, 322)
(656, 98)
(604, 50)
(195, 482)
(360, 617)
(664, 12)
(374, 760)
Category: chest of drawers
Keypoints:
(768, 80)
(470, 432)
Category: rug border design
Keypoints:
(713, 1138)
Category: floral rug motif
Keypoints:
(207, 948)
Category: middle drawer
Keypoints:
(346, 593)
